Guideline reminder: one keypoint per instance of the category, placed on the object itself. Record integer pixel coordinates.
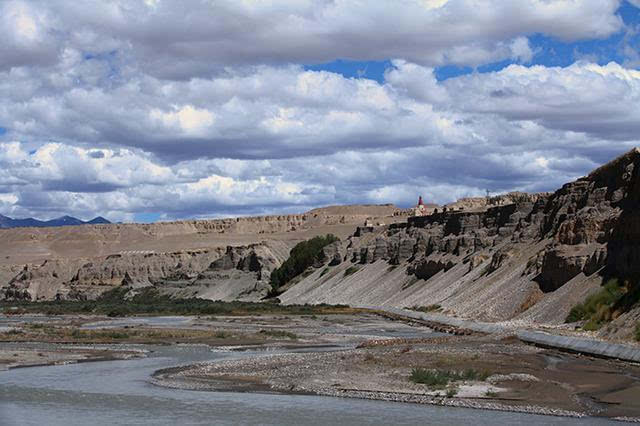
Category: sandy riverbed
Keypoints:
(360, 356)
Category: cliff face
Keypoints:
(234, 273)
(520, 257)
(187, 258)
(594, 223)
(530, 258)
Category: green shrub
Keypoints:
(431, 378)
(302, 256)
(149, 301)
(428, 308)
(592, 325)
(114, 334)
(120, 311)
(221, 334)
(114, 295)
(441, 378)
(475, 375)
(577, 313)
(597, 308)
(280, 334)
(350, 270)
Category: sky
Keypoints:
(144, 110)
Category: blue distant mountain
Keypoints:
(7, 222)
(98, 221)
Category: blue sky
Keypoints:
(158, 110)
(549, 51)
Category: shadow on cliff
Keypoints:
(603, 207)
(623, 247)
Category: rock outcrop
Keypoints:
(529, 257)
(234, 273)
(242, 273)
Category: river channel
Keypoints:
(119, 393)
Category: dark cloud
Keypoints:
(181, 40)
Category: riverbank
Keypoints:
(511, 376)
(119, 392)
(367, 356)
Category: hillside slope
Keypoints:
(528, 261)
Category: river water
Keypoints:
(119, 393)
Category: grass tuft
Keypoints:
(441, 378)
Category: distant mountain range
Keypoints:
(7, 222)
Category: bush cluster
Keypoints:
(302, 256)
(441, 378)
(150, 301)
(597, 308)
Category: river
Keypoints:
(119, 393)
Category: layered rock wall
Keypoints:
(529, 258)
(237, 272)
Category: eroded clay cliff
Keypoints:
(529, 258)
(224, 259)
(519, 257)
